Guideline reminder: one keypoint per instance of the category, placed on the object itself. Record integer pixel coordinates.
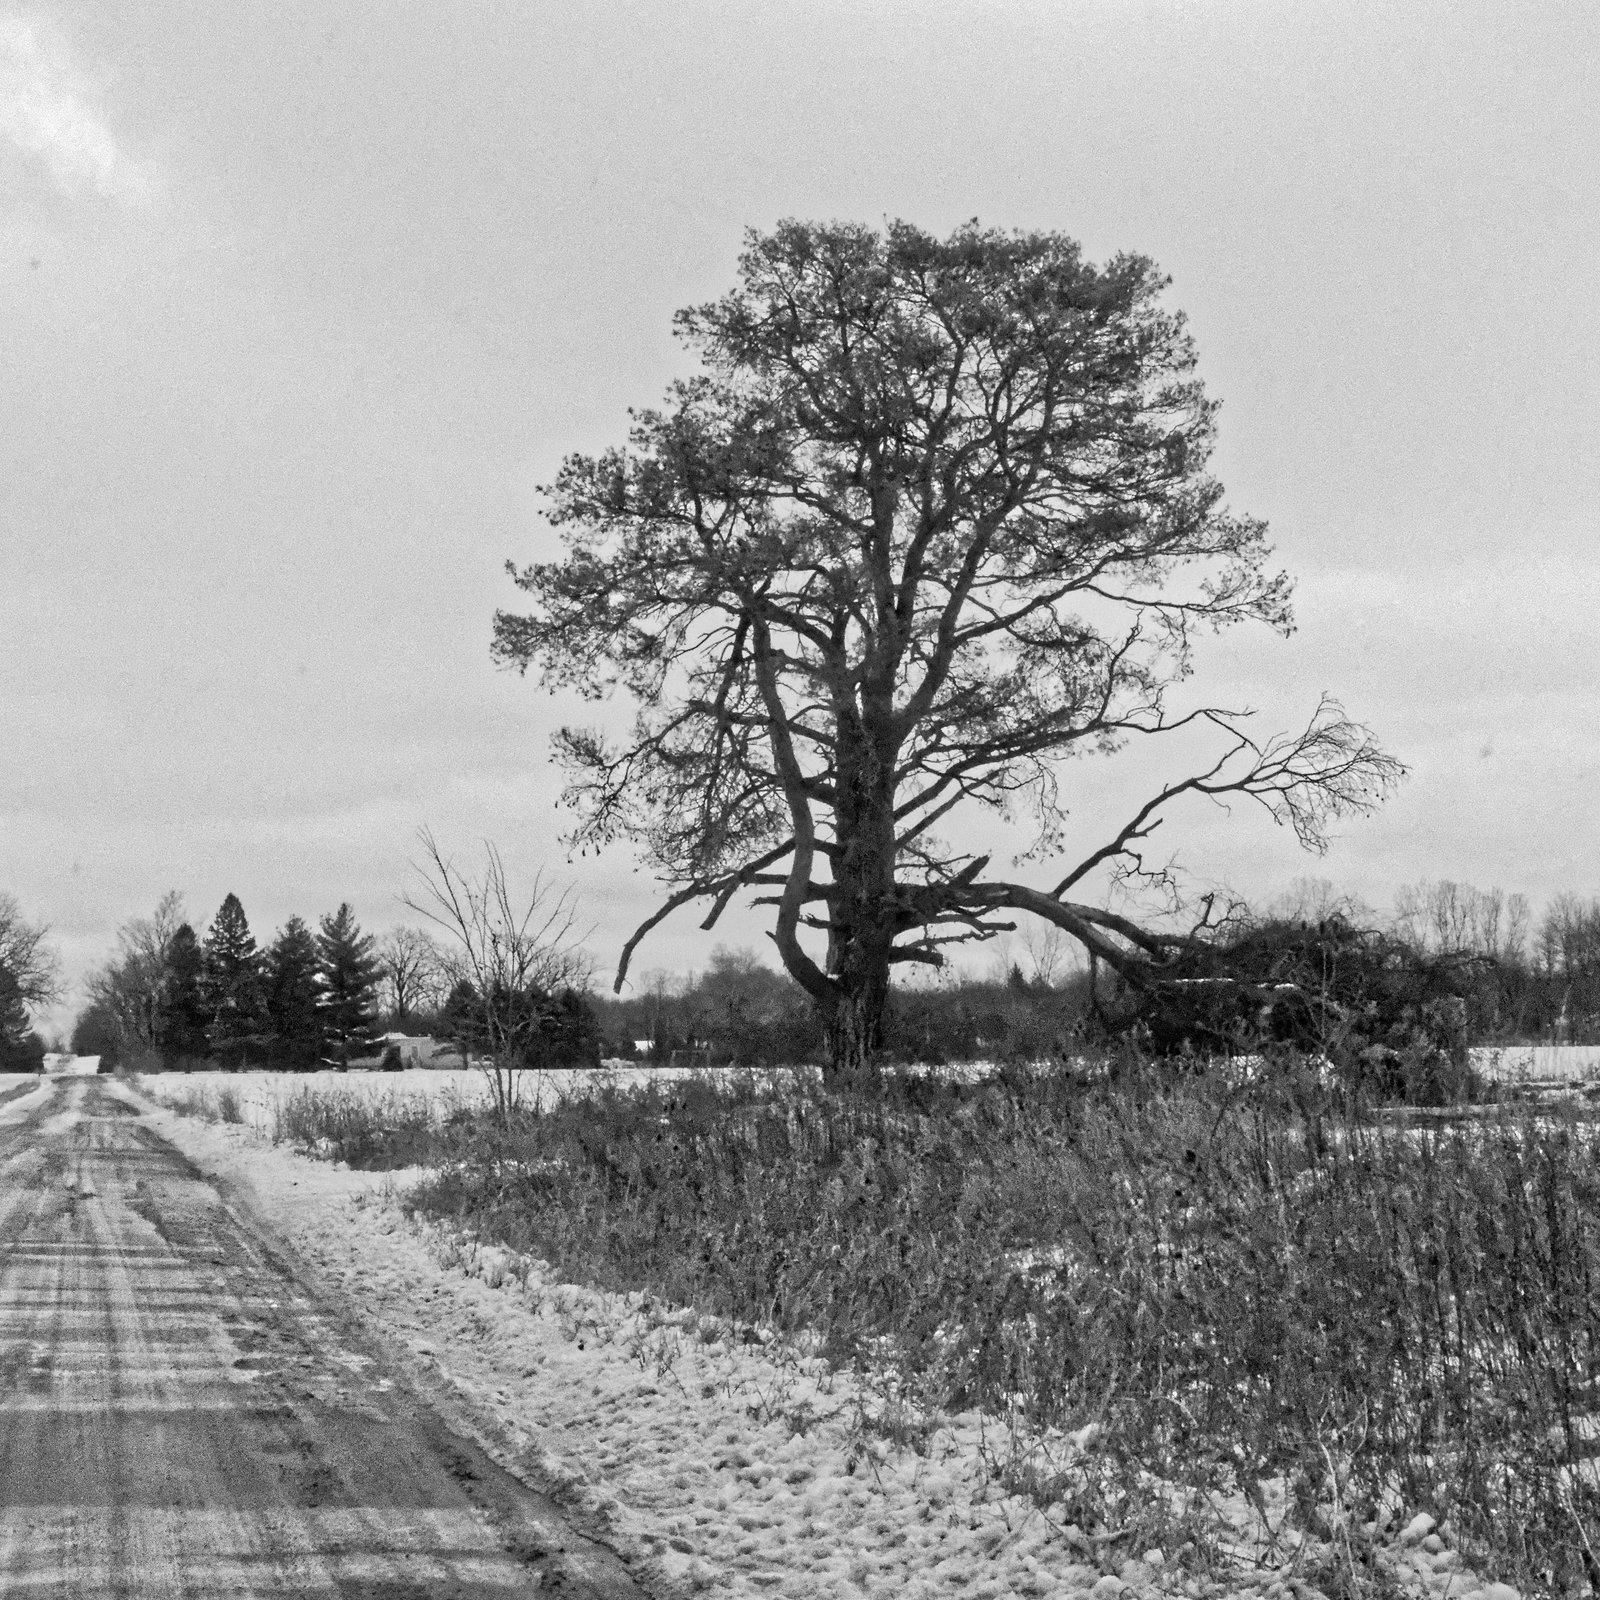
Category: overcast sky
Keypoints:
(302, 300)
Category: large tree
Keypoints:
(347, 980)
(291, 997)
(30, 977)
(413, 972)
(131, 990)
(27, 955)
(933, 518)
(232, 985)
(185, 1009)
(21, 1049)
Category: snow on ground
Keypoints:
(725, 1468)
(1554, 1063)
(64, 1062)
(260, 1095)
(18, 1091)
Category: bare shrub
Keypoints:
(366, 1131)
(509, 953)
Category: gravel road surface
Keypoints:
(181, 1413)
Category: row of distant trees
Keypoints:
(504, 983)
(739, 1010)
(1449, 962)
(171, 997)
(1522, 977)
(310, 996)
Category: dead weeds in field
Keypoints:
(1225, 1287)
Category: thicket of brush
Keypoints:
(210, 1105)
(1235, 1282)
(367, 1132)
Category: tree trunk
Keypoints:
(855, 1032)
(861, 911)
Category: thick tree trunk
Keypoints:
(855, 1030)
(861, 907)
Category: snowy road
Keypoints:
(181, 1415)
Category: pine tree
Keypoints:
(232, 985)
(292, 995)
(461, 1018)
(20, 1049)
(180, 1033)
(348, 975)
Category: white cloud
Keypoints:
(48, 112)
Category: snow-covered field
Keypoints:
(260, 1095)
(715, 1465)
(1552, 1063)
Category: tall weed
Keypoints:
(1232, 1283)
(220, 1104)
(368, 1132)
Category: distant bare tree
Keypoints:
(510, 948)
(413, 970)
(1048, 949)
(1314, 900)
(1519, 916)
(26, 955)
(1448, 918)
(1451, 914)
(1409, 922)
(132, 987)
(1569, 950)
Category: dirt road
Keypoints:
(181, 1415)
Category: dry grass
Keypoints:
(368, 1131)
(1230, 1285)
(210, 1103)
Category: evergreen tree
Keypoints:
(291, 995)
(20, 1047)
(232, 986)
(348, 974)
(181, 1024)
(568, 1033)
(461, 1019)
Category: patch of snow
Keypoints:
(57, 1062)
(1538, 1063)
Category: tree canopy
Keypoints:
(933, 519)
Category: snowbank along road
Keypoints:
(182, 1414)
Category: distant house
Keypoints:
(416, 1049)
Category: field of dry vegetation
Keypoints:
(1228, 1282)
